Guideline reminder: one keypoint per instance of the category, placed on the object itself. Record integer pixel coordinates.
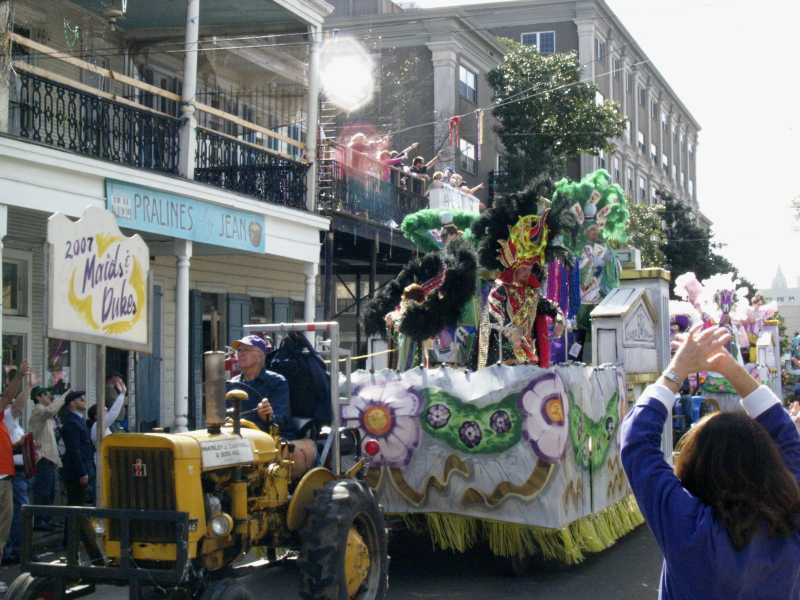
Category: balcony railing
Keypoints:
(73, 116)
(226, 162)
(59, 115)
(365, 187)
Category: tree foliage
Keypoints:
(646, 232)
(546, 115)
(689, 247)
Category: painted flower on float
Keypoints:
(387, 412)
(545, 410)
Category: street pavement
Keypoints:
(628, 570)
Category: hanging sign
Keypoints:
(98, 283)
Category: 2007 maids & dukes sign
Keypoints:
(98, 282)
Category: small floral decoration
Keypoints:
(545, 410)
(387, 412)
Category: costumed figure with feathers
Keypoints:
(443, 314)
(601, 210)
(516, 237)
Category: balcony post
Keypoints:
(5, 67)
(312, 123)
(310, 270)
(188, 137)
(183, 255)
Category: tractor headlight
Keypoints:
(221, 524)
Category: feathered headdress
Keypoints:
(502, 230)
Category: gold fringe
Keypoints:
(592, 533)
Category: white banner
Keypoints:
(99, 282)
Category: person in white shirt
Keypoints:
(110, 416)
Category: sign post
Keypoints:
(99, 292)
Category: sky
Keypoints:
(733, 64)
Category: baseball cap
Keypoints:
(38, 391)
(72, 396)
(251, 340)
(449, 170)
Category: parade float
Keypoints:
(488, 435)
(755, 340)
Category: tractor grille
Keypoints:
(143, 479)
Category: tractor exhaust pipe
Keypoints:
(215, 390)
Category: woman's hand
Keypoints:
(700, 350)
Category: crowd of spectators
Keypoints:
(364, 152)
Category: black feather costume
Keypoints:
(442, 307)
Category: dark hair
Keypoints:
(730, 462)
(91, 416)
(417, 159)
(414, 292)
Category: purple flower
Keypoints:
(543, 404)
(387, 412)
(470, 434)
(500, 421)
(437, 416)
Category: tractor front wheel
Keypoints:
(344, 554)
(28, 587)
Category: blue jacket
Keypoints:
(78, 459)
(699, 559)
(274, 388)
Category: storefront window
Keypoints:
(58, 365)
(13, 354)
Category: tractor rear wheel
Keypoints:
(344, 554)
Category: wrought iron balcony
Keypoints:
(76, 120)
(365, 187)
(225, 162)
(64, 117)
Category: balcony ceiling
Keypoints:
(214, 14)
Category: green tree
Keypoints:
(646, 232)
(689, 247)
(546, 115)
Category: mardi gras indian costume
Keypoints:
(509, 325)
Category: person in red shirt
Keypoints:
(7, 451)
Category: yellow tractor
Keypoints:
(183, 509)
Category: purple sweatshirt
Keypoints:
(699, 559)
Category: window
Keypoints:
(345, 302)
(683, 186)
(641, 142)
(642, 189)
(683, 142)
(691, 152)
(628, 130)
(601, 160)
(791, 298)
(260, 310)
(629, 176)
(654, 110)
(628, 82)
(653, 195)
(615, 64)
(674, 133)
(599, 98)
(779, 299)
(545, 41)
(642, 97)
(600, 51)
(664, 121)
(294, 133)
(691, 188)
(299, 311)
(468, 162)
(616, 169)
(469, 84)
(665, 163)
(653, 154)
(674, 171)
(15, 287)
